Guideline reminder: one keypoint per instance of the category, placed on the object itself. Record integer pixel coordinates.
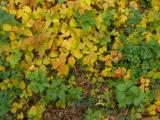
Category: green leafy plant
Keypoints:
(5, 103)
(141, 57)
(14, 58)
(39, 82)
(129, 94)
(97, 54)
(107, 16)
(6, 18)
(4, 38)
(92, 115)
(59, 92)
(135, 17)
(86, 20)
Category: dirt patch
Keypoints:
(73, 113)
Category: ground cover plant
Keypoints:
(79, 59)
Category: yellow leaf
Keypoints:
(38, 13)
(27, 9)
(100, 102)
(152, 110)
(56, 64)
(62, 58)
(144, 22)
(123, 18)
(32, 68)
(151, 16)
(28, 33)
(50, 43)
(66, 34)
(2, 68)
(71, 61)
(38, 61)
(69, 44)
(47, 24)
(30, 23)
(147, 82)
(15, 29)
(46, 61)
(20, 116)
(59, 61)
(53, 54)
(158, 37)
(22, 85)
(14, 110)
(63, 69)
(25, 18)
(93, 57)
(16, 2)
(101, 50)
(72, 23)
(127, 76)
(7, 27)
(19, 13)
(156, 4)
(157, 102)
(86, 60)
(85, 5)
(106, 72)
(13, 11)
(32, 111)
(77, 54)
(12, 36)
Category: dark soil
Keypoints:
(53, 113)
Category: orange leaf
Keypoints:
(158, 108)
(119, 73)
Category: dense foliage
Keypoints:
(99, 55)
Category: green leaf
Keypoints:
(56, 82)
(93, 115)
(62, 95)
(129, 100)
(4, 103)
(14, 58)
(86, 20)
(135, 90)
(121, 87)
(39, 82)
(122, 103)
(136, 102)
(4, 38)
(74, 93)
(134, 17)
(107, 16)
(121, 96)
(61, 1)
(6, 18)
(4, 75)
(128, 83)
